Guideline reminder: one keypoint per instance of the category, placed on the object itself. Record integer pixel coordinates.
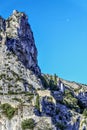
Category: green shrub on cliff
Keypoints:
(8, 110)
(28, 124)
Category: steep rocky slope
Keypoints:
(28, 98)
(16, 34)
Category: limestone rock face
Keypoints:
(16, 34)
(19, 68)
(14, 77)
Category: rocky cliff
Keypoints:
(16, 34)
(30, 100)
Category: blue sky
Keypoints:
(60, 31)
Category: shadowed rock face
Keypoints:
(16, 34)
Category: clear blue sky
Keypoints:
(60, 31)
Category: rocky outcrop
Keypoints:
(82, 97)
(14, 77)
(19, 70)
(16, 34)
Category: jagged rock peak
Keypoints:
(18, 21)
(16, 34)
